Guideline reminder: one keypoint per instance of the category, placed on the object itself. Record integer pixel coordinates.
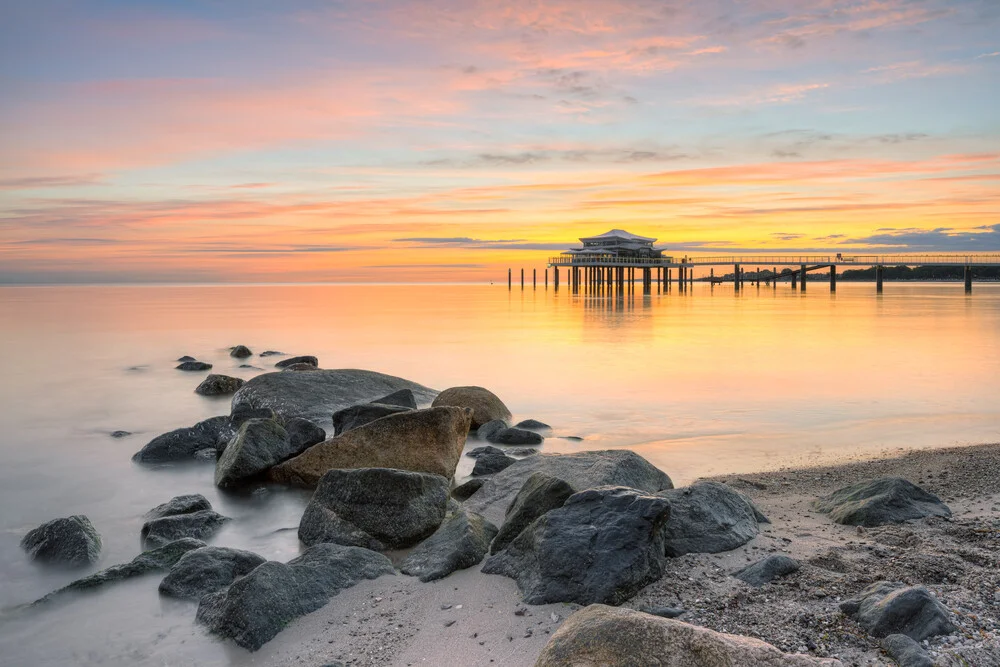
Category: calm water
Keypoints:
(699, 383)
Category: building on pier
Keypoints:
(616, 244)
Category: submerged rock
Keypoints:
(271, 353)
(292, 361)
(182, 444)
(886, 608)
(429, 441)
(180, 505)
(218, 385)
(207, 570)
(259, 445)
(707, 518)
(359, 415)
(533, 425)
(240, 352)
(515, 436)
(540, 494)
(375, 508)
(491, 428)
(602, 545)
(69, 541)
(488, 463)
(485, 405)
(198, 525)
(459, 543)
(604, 636)
(767, 569)
(186, 357)
(258, 606)
(881, 501)
(120, 434)
(193, 366)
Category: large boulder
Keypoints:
(70, 541)
(602, 545)
(182, 444)
(540, 494)
(461, 542)
(881, 501)
(218, 385)
(887, 608)
(207, 570)
(707, 518)
(359, 415)
(375, 508)
(198, 525)
(767, 570)
(584, 470)
(602, 636)
(154, 560)
(317, 395)
(491, 461)
(485, 405)
(180, 505)
(428, 441)
(258, 606)
(259, 445)
(307, 359)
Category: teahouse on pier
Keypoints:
(614, 259)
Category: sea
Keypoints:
(704, 381)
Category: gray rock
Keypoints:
(258, 606)
(271, 353)
(182, 444)
(602, 545)
(69, 541)
(120, 434)
(194, 502)
(615, 637)
(491, 462)
(199, 525)
(881, 501)
(459, 543)
(375, 508)
(259, 445)
(515, 436)
(533, 425)
(767, 570)
(302, 434)
(540, 494)
(707, 518)
(664, 612)
(485, 405)
(886, 608)
(316, 396)
(359, 415)
(906, 652)
(218, 385)
(404, 398)
(155, 560)
(186, 357)
(240, 352)
(521, 451)
(243, 412)
(194, 366)
(291, 361)
(491, 428)
(476, 452)
(300, 366)
(582, 470)
(465, 491)
(207, 570)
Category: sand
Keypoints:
(474, 619)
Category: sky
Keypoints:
(446, 140)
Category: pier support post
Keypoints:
(736, 276)
(774, 277)
(794, 278)
(546, 277)
(878, 279)
(508, 280)
(803, 277)
(522, 279)
(534, 279)
(555, 276)
(968, 280)
(833, 278)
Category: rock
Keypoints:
(429, 441)
(244, 412)
(301, 366)
(193, 366)
(302, 434)
(251, 366)
(476, 452)
(403, 398)
(881, 501)
(767, 569)
(464, 491)
(194, 502)
(258, 606)
(602, 545)
(207, 570)
(906, 652)
(359, 415)
(199, 525)
(707, 518)
(120, 434)
(602, 636)
(240, 352)
(515, 436)
(218, 385)
(533, 425)
(484, 404)
(521, 451)
(459, 543)
(155, 560)
(664, 612)
(886, 608)
(491, 428)
(291, 361)
(316, 396)
(375, 508)
(70, 541)
(186, 357)
(491, 462)
(271, 353)
(181, 444)
(582, 470)
(540, 494)
(259, 445)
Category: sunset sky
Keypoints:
(449, 139)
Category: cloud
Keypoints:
(39, 182)
(482, 244)
(940, 239)
(988, 55)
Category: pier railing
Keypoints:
(979, 259)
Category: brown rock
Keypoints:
(429, 441)
(485, 405)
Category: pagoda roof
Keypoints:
(618, 234)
